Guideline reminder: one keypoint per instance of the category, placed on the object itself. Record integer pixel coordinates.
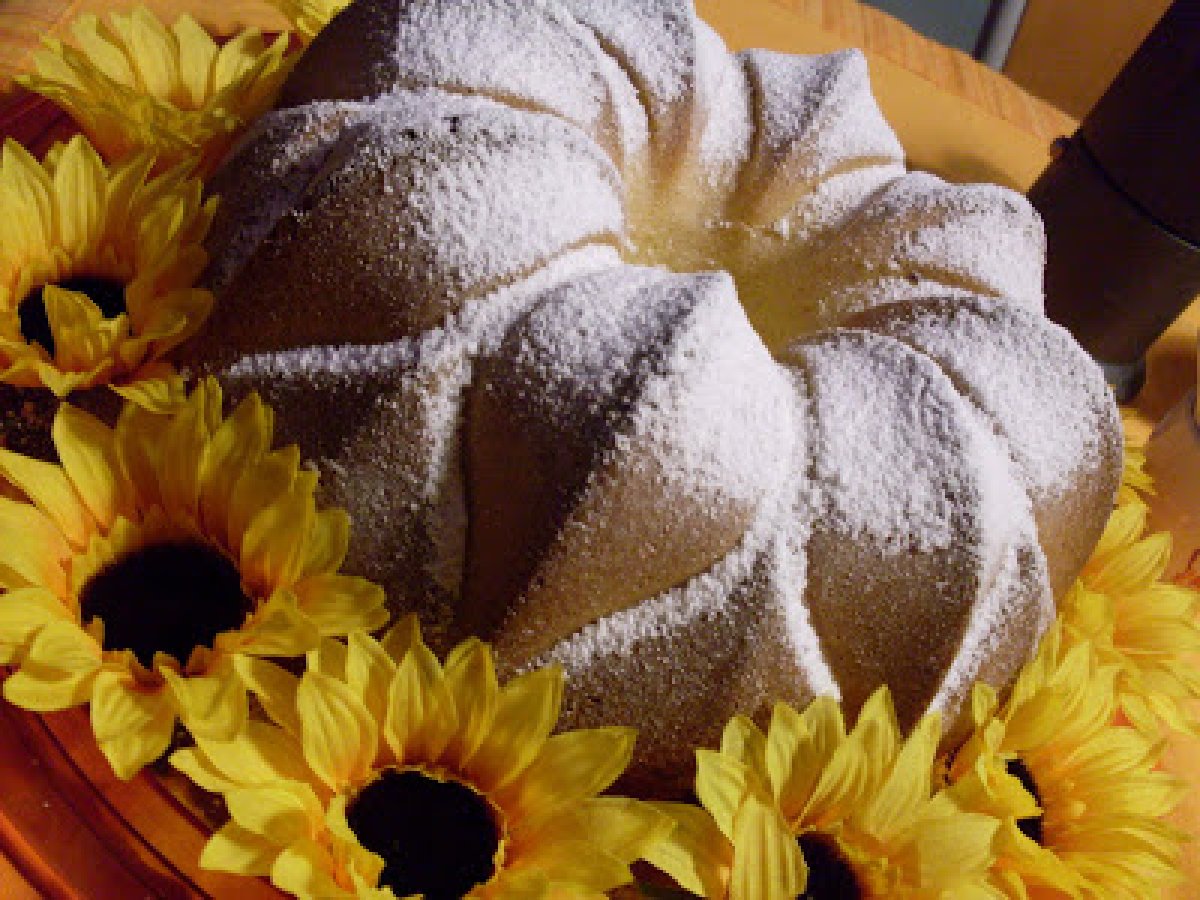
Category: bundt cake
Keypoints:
(651, 359)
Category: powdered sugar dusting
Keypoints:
(814, 119)
(720, 410)
(733, 640)
(654, 40)
(919, 237)
(422, 262)
(888, 455)
(1047, 401)
(388, 445)
(264, 178)
(615, 389)
(1025, 372)
(533, 54)
(1003, 622)
(913, 506)
(425, 201)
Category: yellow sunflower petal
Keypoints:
(260, 754)
(89, 457)
(57, 672)
(329, 657)
(83, 337)
(767, 862)
(1135, 567)
(133, 726)
(32, 547)
(149, 49)
(79, 184)
(139, 440)
(577, 865)
(695, 854)
(274, 687)
(1123, 527)
(571, 767)
(257, 487)
(856, 766)
(32, 191)
(284, 812)
(721, 784)
(624, 827)
(184, 441)
(270, 550)
(525, 714)
(744, 741)
(50, 490)
(197, 52)
(328, 541)
(199, 767)
(951, 846)
(794, 757)
(420, 711)
(338, 604)
(238, 444)
(278, 628)
(156, 387)
(308, 17)
(339, 737)
(239, 851)
(369, 670)
(471, 679)
(509, 885)
(906, 788)
(305, 869)
(211, 706)
(23, 613)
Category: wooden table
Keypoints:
(68, 825)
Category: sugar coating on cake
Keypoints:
(644, 357)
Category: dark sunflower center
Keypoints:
(1032, 826)
(165, 597)
(830, 876)
(107, 294)
(437, 838)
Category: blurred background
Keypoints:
(1064, 51)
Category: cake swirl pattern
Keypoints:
(456, 260)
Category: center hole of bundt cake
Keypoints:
(773, 284)
(167, 598)
(437, 838)
(106, 293)
(830, 876)
(1032, 826)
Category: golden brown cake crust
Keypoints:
(430, 262)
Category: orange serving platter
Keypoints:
(70, 829)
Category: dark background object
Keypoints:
(955, 23)
(1121, 203)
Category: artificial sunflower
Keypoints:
(308, 17)
(97, 267)
(1079, 797)
(385, 774)
(1143, 626)
(808, 810)
(153, 558)
(1136, 482)
(132, 83)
